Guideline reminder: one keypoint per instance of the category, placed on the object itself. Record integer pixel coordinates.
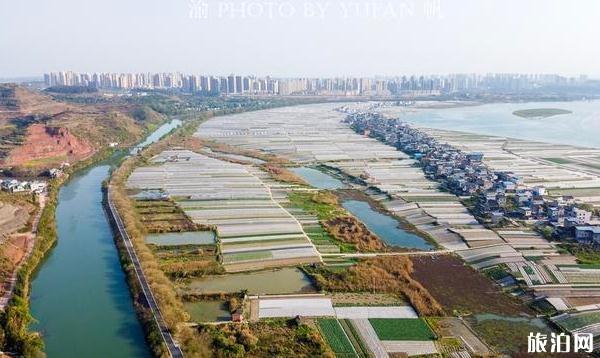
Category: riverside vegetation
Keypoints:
(344, 228)
(385, 274)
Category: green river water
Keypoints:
(80, 296)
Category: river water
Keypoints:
(385, 227)
(80, 296)
(581, 127)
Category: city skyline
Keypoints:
(257, 85)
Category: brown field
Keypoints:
(583, 301)
(196, 144)
(458, 287)
(389, 274)
(160, 216)
(189, 261)
(12, 218)
(282, 174)
(12, 251)
(273, 338)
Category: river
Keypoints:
(80, 296)
(580, 128)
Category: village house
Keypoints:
(588, 234)
(498, 194)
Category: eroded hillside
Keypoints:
(38, 131)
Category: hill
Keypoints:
(39, 131)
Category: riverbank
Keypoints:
(15, 320)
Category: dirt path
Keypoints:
(456, 327)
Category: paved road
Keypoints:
(172, 346)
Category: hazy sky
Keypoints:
(299, 38)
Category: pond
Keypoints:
(317, 178)
(286, 280)
(182, 238)
(387, 228)
(208, 311)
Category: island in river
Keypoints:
(540, 112)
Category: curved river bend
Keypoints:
(80, 296)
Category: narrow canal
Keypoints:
(80, 296)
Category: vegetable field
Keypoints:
(336, 338)
(402, 329)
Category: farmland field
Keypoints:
(335, 337)
(402, 329)
(459, 287)
(507, 335)
(359, 346)
(182, 238)
(558, 160)
(247, 256)
(575, 191)
(579, 320)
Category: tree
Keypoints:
(548, 231)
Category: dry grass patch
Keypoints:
(391, 274)
(461, 288)
(282, 174)
(268, 338)
(349, 230)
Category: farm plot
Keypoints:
(573, 322)
(411, 348)
(302, 134)
(182, 238)
(402, 329)
(336, 337)
(458, 287)
(357, 312)
(187, 261)
(160, 216)
(292, 307)
(234, 200)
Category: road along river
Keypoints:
(80, 296)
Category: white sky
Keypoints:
(401, 37)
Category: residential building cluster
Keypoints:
(424, 85)
(19, 186)
(498, 195)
